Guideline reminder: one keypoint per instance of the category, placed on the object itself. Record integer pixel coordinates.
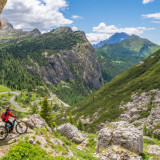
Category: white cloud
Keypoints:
(154, 15)
(94, 38)
(42, 14)
(147, 1)
(103, 32)
(74, 28)
(76, 17)
(155, 22)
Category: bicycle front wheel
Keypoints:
(21, 128)
(3, 133)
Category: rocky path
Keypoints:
(13, 102)
(49, 99)
(21, 109)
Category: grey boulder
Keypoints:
(71, 133)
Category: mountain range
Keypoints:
(62, 61)
(117, 37)
(118, 57)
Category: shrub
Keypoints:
(24, 150)
(80, 125)
(70, 119)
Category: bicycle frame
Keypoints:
(13, 123)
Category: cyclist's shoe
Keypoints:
(11, 131)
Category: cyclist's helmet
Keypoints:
(8, 106)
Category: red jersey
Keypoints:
(8, 114)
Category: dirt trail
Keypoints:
(13, 102)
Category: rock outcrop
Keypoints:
(71, 133)
(136, 106)
(117, 153)
(154, 149)
(148, 102)
(35, 121)
(154, 118)
(2, 4)
(122, 134)
(62, 30)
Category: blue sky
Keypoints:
(98, 18)
(121, 13)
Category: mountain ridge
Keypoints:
(9, 34)
(61, 60)
(117, 37)
(118, 57)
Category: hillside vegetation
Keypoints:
(106, 101)
(61, 61)
(118, 57)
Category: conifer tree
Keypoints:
(144, 130)
(46, 113)
(70, 119)
(80, 125)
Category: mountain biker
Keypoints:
(7, 115)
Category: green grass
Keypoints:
(81, 155)
(108, 99)
(148, 142)
(25, 98)
(4, 89)
(24, 150)
(91, 142)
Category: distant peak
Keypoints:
(60, 30)
(6, 25)
(4, 20)
(121, 33)
(117, 37)
(36, 31)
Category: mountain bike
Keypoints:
(21, 128)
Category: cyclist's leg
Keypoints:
(10, 123)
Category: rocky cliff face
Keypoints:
(78, 63)
(144, 109)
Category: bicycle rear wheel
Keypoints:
(21, 128)
(3, 133)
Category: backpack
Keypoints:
(3, 115)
